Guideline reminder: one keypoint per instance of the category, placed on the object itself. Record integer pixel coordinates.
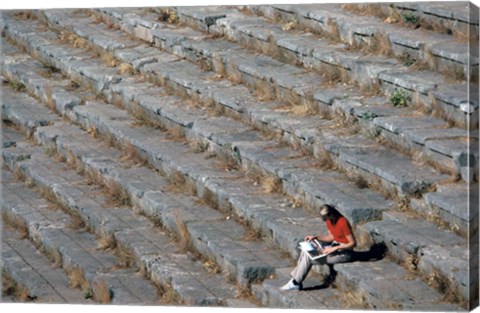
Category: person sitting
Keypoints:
(338, 244)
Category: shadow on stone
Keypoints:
(376, 253)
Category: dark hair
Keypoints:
(328, 211)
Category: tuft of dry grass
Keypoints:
(411, 263)
(219, 66)
(102, 292)
(125, 68)
(17, 223)
(76, 278)
(183, 236)
(199, 146)
(125, 256)
(116, 194)
(131, 154)
(263, 90)
(168, 295)
(323, 159)
(270, 184)
(11, 288)
(353, 299)
(25, 15)
(49, 99)
(212, 266)
(234, 74)
(168, 15)
(108, 59)
(106, 241)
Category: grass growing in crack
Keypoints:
(184, 241)
(264, 91)
(16, 223)
(76, 278)
(168, 295)
(212, 266)
(116, 194)
(16, 85)
(219, 66)
(10, 288)
(400, 98)
(131, 155)
(102, 292)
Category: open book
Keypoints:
(313, 250)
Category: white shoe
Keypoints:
(290, 286)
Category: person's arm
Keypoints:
(350, 244)
(326, 238)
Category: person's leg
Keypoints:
(304, 264)
(335, 258)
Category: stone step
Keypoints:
(441, 52)
(152, 250)
(153, 68)
(298, 228)
(247, 266)
(291, 179)
(386, 285)
(75, 251)
(453, 204)
(25, 111)
(442, 17)
(32, 273)
(367, 111)
(359, 205)
(417, 244)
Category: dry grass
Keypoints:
(74, 40)
(352, 299)
(411, 264)
(184, 243)
(219, 66)
(16, 85)
(76, 278)
(168, 15)
(49, 99)
(212, 266)
(116, 194)
(11, 288)
(16, 223)
(106, 241)
(168, 295)
(125, 256)
(25, 15)
(199, 146)
(19, 175)
(108, 59)
(102, 292)
(234, 74)
(54, 256)
(125, 68)
(131, 155)
(270, 184)
(333, 74)
(264, 91)
(323, 159)
(176, 134)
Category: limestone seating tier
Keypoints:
(62, 132)
(188, 122)
(32, 271)
(153, 250)
(100, 86)
(75, 251)
(367, 70)
(399, 126)
(154, 69)
(452, 17)
(441, 51)
(222, 131)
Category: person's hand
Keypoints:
(309, 238)
(328, 250)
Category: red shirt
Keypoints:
(340, 230)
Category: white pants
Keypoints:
(304, 263)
